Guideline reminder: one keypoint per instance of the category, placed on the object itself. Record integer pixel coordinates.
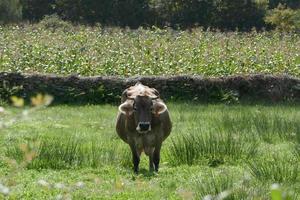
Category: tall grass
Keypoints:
(225, 185)
(261, 125)
(61, 152)
(214, 186)
(275, 169)
(216, 148)
(230, 185)
(210, 135)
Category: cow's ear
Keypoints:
(159, 108)
(126, 108)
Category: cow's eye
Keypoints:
(134, 108)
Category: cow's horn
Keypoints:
(154, 98)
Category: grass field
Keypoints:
(113, 51)
(68, 151)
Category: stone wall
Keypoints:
(101, 89)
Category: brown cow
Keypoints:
(143, 122)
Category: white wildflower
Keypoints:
(4, 190)
(275, 186)
(80, 184)
(223, 195)
(59, 185)
(208, 197)
(25, 113)
(43, 183)
(2, 109)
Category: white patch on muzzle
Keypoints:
(138, 128)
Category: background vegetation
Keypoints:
(55, 46)
(10, 11)
(225, 14)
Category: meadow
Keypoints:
(225, 151)
(215, 151)
(60, 48)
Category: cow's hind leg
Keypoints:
(156, 157)
(135, 158)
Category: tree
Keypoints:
(289, 3)
(224, 14)
(184, 13)
(284, 18)
(233, 14)
(131, 13)
(10, 11)
(35, 10)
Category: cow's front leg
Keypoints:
(135, 158)
(149, 152)
(151, 164)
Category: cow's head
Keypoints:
(143, 109)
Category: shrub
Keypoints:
(54, 22)
(284, 18)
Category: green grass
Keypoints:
(215, 148)
(237, 151)
(112, 51)
(277, 169)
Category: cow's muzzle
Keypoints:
(143, 127)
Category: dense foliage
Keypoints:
(284, 19)
(60, 48)
(10, 11)
(225, 14)
(289, 3)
